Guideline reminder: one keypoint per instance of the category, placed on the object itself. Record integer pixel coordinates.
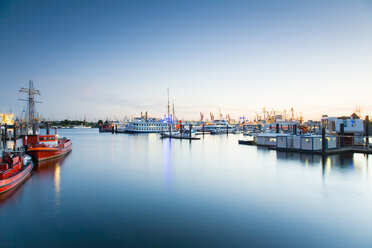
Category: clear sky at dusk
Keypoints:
(114, 58)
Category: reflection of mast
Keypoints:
(31, 102)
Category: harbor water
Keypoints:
(137, 190)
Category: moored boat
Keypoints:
(145, 125)
(219, 127)
(14, 169)
(48, 147)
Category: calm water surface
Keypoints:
(141, 191)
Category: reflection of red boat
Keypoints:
(49, 146)
(14, 169)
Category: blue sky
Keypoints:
(114, 58)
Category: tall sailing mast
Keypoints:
(31, 92)
(168, 104)
(173, 114)
(168, 119)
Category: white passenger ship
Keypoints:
(218, 127)
(144, 125)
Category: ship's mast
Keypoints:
(31, 92)
(169, 121)
(173, 115)
(168, 103)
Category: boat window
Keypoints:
(51, 138)
(46, 138)
(41, 139)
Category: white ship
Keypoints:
(218, 127)
(146, 125)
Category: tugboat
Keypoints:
(14, 169)
(48, 146)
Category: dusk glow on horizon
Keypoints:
(110, 59)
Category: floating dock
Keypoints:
(340, 150)
(165, 136)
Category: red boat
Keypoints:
(47, 147)
(14, 169)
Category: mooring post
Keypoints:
(277, 127)
(5, 136)
(1, 137)
(367, 131)
(47, 129)
(181, 131)
(323, 141)
(203, 129)
(15, 136)
(190, 129)
(227, 129)
(34, 128)
(342, 132)
(116, 128)
(295, 129)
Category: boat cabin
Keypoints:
(311, 143)
(266, 139)
(48, 140)
(353, 129)
(284, 141)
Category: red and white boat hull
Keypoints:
(44, 153)
(11, 182)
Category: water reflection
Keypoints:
(167, 161)
(347, 162)
(304, 158)
(14, 193)
(52, 168)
